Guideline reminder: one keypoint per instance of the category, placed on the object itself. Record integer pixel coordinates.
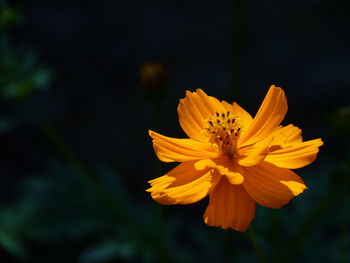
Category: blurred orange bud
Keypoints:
(152, 78)
(345, 112)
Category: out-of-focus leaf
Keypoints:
(113, 184)
(22, 88)
(61, 206)
(70, 208)
(12, 244)
(15, 220)
(20, 74)
(201, 234)
(8, 15)
(108, 250)
(24, 85)
(7, 124)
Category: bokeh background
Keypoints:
(75, 152)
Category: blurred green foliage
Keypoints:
(59, 206)
(20, 73)
(9, 15)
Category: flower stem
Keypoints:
(162, 256)
(255, 245)
(229, 239)
(343, 223)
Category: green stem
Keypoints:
(162, 256)
(229, 239)
(255, 245)
(344, 224)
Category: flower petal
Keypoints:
(253, 154)
(243, 115)
(194, 110)
(284, 137)
(270, 114)
(225, 166)
(212, 103)
(288, 135)
(229, 207)
(183, 184)
(295, 156)
(181, 150)
(272, 186)
(157, 187)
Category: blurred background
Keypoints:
(81, 82)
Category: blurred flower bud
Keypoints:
(345, 112)
(344, 118)
(152, 78)
(340, 120)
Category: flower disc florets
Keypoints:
(224, 130)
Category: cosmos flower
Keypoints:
(237, 160)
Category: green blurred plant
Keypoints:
(9, 15)
(20, 72)
(58, 206)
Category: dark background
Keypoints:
(83, 121)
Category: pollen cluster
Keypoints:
(223, 130)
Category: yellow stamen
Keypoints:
(223, 129)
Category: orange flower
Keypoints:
(237, 160)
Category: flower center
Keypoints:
(224, 129)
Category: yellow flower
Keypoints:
(237, 160)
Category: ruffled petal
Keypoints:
(183, 184)
(157, 187)
(194, 110)
(243, 116)
(181, 150)
(272, 186)
(284, 137)
(227, 106)
(287, 135)
(225, 166)
(229, 207)
(253, 154)
(295, 156)
(212, 103)
(270, 114)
